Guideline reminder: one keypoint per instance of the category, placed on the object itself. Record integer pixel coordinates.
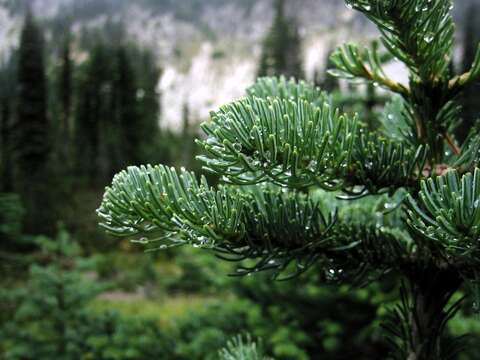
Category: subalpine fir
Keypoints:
(273, 148)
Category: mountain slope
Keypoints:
(208, 48)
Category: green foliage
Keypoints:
(117, 110)
(31, 142)
(353, 62)
(265, 223)
(446, 217)
(110, 336)
(52, 318)
(273, 138)
(50, 307)
(298, 321)
(203, 333)
(61, 99)
(11, 214)
(196, 272)
(273, 148)
(420, 33)
(141, 270)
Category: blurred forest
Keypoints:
(75, 110)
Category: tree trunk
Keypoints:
(431, 293)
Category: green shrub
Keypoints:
(11, 217)
(128, 271)
(51, 318)
(198, 272)
(109, 336)
(202, 333)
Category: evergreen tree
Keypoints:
(32, 133)
(470, 97)
(126, 113)
(65, 92)
(8, 74)
(52, 316)
(275, 148)
(93, 115)
(53, 300)
(282, 53)
(117, 110)
(148, 75)
(11, 219)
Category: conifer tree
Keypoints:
(52, 315)
(125, 103)
(65, 91)
(283, 141)
(8, 74)
(148, 75)
(93, 112)
(117, 110)
(54, 300)
(281, 53)
(31, 132)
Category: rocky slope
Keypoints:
(208, 48)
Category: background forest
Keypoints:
(79, 102)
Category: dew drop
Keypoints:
(428, 38)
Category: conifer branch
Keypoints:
(417, 32)
(353, 62)
(292, 137)
(285, 138)
(445, 217)
(161, 207)
(461, 81)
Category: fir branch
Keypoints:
(380, 164)
(262, 222)
(281, 88)
(419, 33)
(352, 62)
(152, 201)
(281, 231)
(446, 217)
(289, 139)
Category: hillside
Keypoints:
(207, 48)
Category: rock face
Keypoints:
(208, 49)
